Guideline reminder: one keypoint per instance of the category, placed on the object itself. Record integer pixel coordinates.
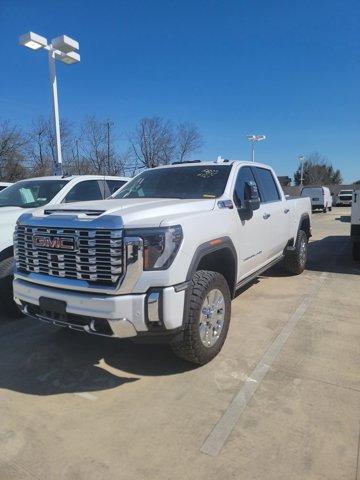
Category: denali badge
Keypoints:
(58, 243)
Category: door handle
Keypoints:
(266, 216)
(286, 210)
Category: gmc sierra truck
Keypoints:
(162, 260)
(27, 195)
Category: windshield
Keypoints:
(346, 192)
(30, 193)
(206, 181)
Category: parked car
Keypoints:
(27, 195)
(4, 185)
(320, 197)
(163, 259)
(355, 224)
(345, 198)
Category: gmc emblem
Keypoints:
(56, 243)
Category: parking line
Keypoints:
(220, 433)
(87, 395)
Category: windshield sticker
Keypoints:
(207, 173)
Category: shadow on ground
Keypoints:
(42, 360)
(344, 218)
(331, 254)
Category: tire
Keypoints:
(356, 251)
(324, 210)
(330, 209)
(8, 305)
(295, 260)
(199, 329)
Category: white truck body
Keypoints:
(355, 224)
(320, 197)
(216, 232)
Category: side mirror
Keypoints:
(252, 198)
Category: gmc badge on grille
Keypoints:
(56, 243)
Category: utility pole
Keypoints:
(301, 159)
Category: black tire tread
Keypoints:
(8, 305)
(291, 261)
(189, 347)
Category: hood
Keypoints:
(138, 211)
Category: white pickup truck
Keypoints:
(29, 194)
(163, 259)
(355, 224)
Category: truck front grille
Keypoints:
(92, 255)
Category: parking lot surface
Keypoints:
(281, 401)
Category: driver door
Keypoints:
(252, 242)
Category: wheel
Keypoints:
(330, 208)
(8, 305)
(324, 210)
(295, 260)
(356, 251)
(208, 318)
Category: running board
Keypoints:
(254, 275)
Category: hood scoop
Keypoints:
(86, 213)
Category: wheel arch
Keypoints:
(218, 255)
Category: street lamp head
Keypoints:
(69, 58)
(301, 158)
(255, 138)
(65, 44)
(32, 40)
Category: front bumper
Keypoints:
(121, 316)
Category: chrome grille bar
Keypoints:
(98, 256)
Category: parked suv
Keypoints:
(29, 194)
(345, 197)
(164, 258)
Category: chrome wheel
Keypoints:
(303, 251)
(212, 315)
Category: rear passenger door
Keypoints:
(275, 212)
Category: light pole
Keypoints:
(253, 139)
(61, 48)
(301, 159)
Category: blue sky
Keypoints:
(289, 69)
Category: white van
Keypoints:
(355, 224)
(320, 197)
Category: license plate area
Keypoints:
(52, 307)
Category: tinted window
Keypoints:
(31, 193)
(207, 181)
(114, 185)
(83, 191)
(267, 185)
(245, 175)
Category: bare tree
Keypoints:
(41, 149)
(152, 142)
(317, 171)
(12, 159)
(98, 147)
(188, 140)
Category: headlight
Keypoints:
(160, 245)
